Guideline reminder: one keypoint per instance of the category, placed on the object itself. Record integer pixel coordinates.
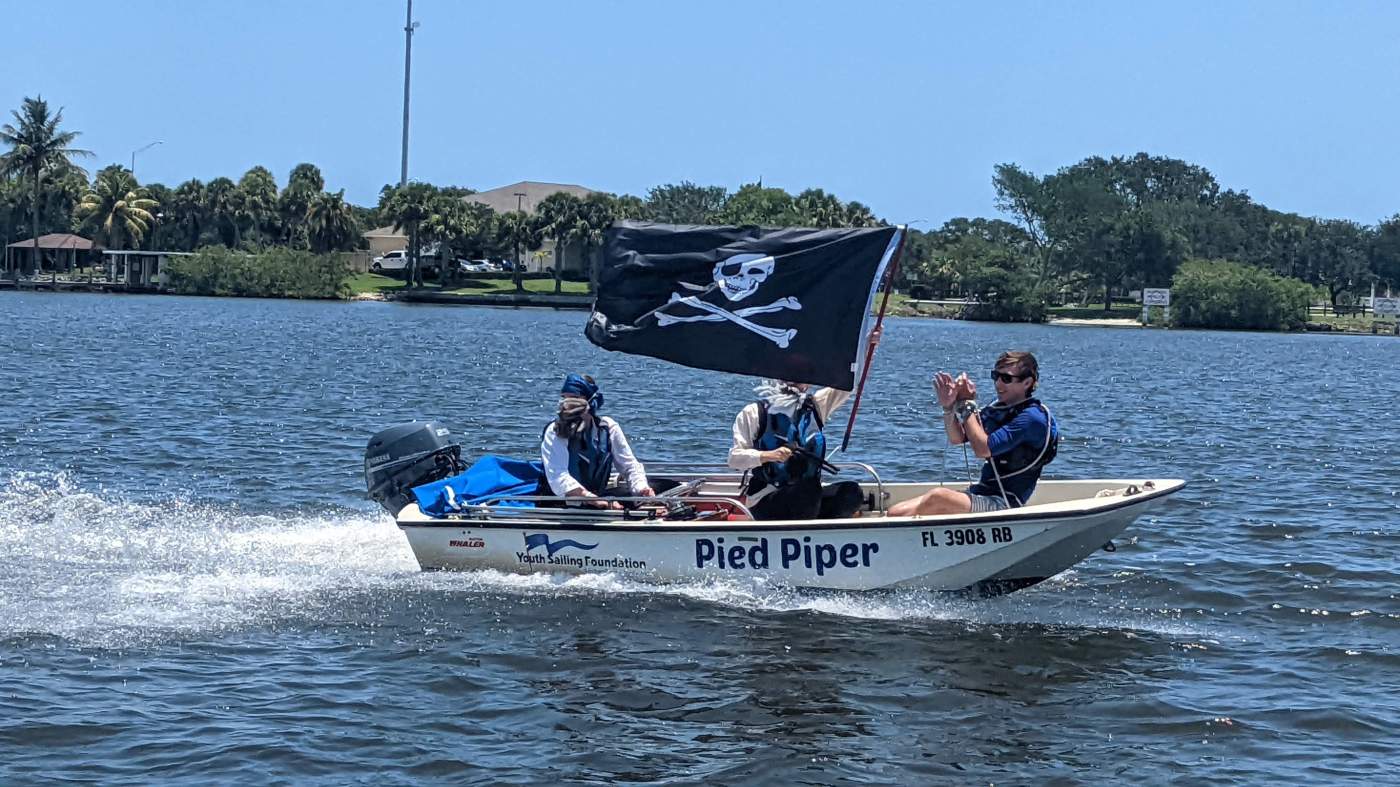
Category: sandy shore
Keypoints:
(1107, 322)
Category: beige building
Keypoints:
(384, 240)
(527, 196)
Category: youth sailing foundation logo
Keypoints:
(533, 540)
(549, 558)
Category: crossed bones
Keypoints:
(778, 336)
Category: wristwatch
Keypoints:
(964, 409)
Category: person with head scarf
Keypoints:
(580, 450)
(780, 441)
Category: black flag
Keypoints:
(784, 303)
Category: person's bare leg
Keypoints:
(935, 501)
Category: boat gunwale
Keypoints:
(651, 526)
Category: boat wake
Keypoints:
(98, 569)
(1054, 604)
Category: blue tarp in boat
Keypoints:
(490, 476)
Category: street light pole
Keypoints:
(408, 28)
(145, 147)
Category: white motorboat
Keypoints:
(685, 294)
(1065, 522)
(701, 530)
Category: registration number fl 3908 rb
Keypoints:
(966, 536)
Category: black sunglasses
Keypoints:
(1007, 378)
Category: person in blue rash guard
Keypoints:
(1016, 435)
(580, 449)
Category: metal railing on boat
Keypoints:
(571, 511)
(659, 507)
(707, 472)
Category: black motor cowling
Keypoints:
(404, 456)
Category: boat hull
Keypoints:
(992, 552)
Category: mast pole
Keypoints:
(870, 351)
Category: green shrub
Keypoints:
(1220, 294)
(273, 273)
(1017, 307)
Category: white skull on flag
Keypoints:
(738, 277)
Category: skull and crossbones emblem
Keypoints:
(736, 278)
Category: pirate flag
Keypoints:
(784, 303)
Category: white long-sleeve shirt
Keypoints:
(554, 452)
(743, 455)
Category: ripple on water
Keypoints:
(193, 584)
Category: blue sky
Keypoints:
(906, 106)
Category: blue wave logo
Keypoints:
(533, 540)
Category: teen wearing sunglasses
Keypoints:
(1016, 435)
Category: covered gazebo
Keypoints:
(64, 248)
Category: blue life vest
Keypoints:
(1019, 468)
(777, 430)
(590, 456)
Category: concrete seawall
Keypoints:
(533, 300)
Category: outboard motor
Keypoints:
(408, 455)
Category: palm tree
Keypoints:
(816, 208)
(187, 212)
(629, 207)
(117, 208)
(37, 147)
(308, 177)
(408, 207)
(519, 230)
(596, 216)
(557, 214)
(461, 229)
(163, 229)
(858, 215)
(330, 224)
(222, 200)
(303, 186)
(258, 206)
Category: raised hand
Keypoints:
(964, 388)
(943, 387)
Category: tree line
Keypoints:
(439, 216)
(43, 190)
(1092, 230)
(1103, 226)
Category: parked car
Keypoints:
(475, 266)
(396, 260)
(395, 263)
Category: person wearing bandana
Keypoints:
(580, 449)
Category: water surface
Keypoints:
(194, 588)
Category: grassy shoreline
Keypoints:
(362, 284)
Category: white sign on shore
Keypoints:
(1156, 297)
(1389, 306)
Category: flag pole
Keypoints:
(870, 351)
